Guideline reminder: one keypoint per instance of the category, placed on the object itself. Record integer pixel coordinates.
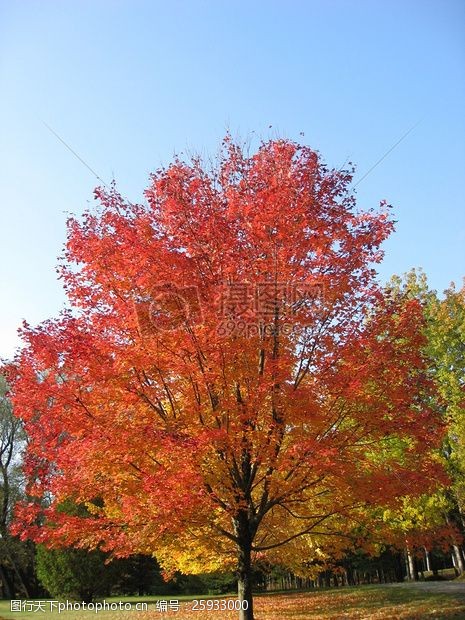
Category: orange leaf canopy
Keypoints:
(227, 352)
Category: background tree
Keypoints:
(16, 557)
(78, 574)
(231, 380)
(138, 575)
(445, 348)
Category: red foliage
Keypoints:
(228, 353)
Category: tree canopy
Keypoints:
(230, 381)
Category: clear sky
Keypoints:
(129, 83)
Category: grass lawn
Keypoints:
(393, 602)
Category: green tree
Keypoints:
(138, 575)
(74, 573)
(445, 348)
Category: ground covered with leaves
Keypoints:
(421, 601)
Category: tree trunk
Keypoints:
(350, 576)
(457, 555)
(244, 582)
(413, 573)
(428, 563)
(407, 567)
(22, 587)
(244, 532)
(398, 567)
(7, 590)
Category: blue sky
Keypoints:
(129, 83)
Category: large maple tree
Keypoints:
(229, 381)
